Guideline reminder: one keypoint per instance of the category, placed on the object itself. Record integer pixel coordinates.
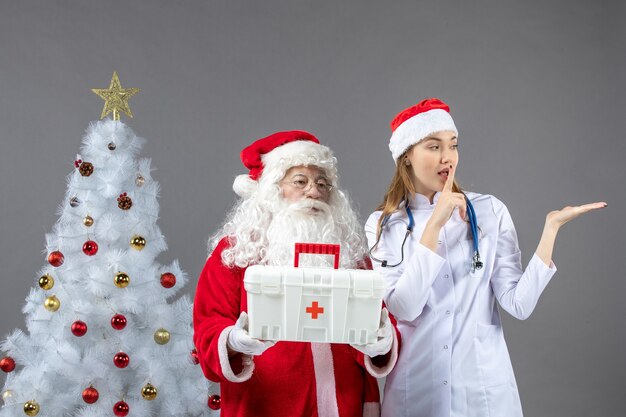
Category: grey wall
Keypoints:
(536, 89)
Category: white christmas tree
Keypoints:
(105, 332)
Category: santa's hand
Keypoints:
(383, 344)
(240, 341)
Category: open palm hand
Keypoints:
(559, 217)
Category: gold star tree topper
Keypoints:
(115, 98)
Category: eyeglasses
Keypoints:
(304, 183)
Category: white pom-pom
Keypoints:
(244, 186)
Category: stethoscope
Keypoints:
(476, 262)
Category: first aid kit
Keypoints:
(310, 304)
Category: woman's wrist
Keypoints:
(551, 227)
(433, 227)
(430, 236)
(546, 243)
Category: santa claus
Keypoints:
(291, 194)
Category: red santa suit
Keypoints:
(290, 378)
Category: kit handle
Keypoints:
(317, 248)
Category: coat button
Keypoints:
(445, 382)
(445, 347)
(447, 312)
(446, 276)
(439, 242)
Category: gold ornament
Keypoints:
(115, 98)
(52, 303)
(149, 392)
(46, 282)
(161, 336)
(140, 180)
(6, 395)
(137, 242)
(31, 408)
(88, 221)
(121, 280)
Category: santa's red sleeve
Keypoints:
(371, 397)
(380, 366)
(216, 309)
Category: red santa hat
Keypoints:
(412, 125)
(269, 158)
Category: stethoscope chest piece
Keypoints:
(476, 262)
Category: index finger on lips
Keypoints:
(450, 180)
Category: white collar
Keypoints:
(420, 201)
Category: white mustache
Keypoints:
(309, 203)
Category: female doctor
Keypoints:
(447, 256)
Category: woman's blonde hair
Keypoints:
(401, 189)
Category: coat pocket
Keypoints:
(492, 357)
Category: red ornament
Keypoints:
(78, 162)
(7, 364)
(215, 402)
(79, 328)
(90, 248)
(168, 280)
(56, 258)
(194, 357)
(90, 395)
(121, 360)
(120, 409)
(118, 322)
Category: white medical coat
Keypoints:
(453, 359)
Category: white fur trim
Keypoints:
(299, 152)
(385, 370)
(324, 380)
(371, 409)
(228, 372)
(417, 128)
(244, 186)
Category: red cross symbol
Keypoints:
(315, 310)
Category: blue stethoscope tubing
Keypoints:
(471, 214)
(476, 262)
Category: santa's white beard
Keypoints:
(306, 221)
